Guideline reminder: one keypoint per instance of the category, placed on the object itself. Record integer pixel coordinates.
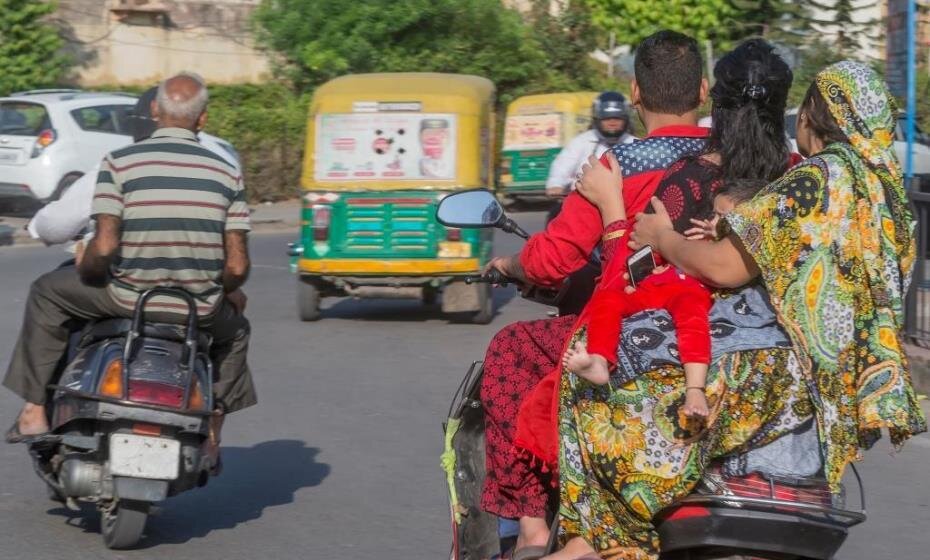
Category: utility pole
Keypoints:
(709, 55)
(911, 128)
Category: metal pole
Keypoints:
(610, 54)
(911, 89)
(709, 50)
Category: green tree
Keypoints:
(633, 20)
(30, 48)
(782, 21)
(319, 40)
(838, 18)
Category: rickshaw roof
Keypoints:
(436, 91)
(561, 102)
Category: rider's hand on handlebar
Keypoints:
(505, 265)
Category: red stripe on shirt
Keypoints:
(175, 164)
(176, 203)
(182, 306)
(237, 215)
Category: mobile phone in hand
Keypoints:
(640, 265)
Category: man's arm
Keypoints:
(236, 269)
(94, 266)
(565, 246)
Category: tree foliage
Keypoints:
(29, 47)
(838, 17)
(633, 20)
(319, 40)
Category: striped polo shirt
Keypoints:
(176, 200)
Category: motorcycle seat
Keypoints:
(119, 327)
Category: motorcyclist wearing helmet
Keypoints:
(611, 126)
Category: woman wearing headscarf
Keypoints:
(833, 243)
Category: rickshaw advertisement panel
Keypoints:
(379, 147)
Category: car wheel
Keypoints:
(64, 184)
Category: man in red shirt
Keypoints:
(667, 90)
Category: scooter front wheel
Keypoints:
(122, 525)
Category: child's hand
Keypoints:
(705, 230)
(695, 404)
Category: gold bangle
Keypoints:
(613, 235)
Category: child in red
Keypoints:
(687, 301)
(684, 297)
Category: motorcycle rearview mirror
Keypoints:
(476, 208)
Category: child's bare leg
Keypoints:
(695, 399)
(589, 366)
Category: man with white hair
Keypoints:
(169, 213)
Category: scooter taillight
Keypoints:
(151, 392)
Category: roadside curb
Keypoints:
(919, 359)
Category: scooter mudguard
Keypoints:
(474, 532)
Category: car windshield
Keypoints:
(18, 118)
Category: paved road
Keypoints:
(340, 459)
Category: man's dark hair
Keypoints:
(668, 70)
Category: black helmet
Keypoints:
(141, 123)
(610, 105)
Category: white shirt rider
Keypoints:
(63, 220)
(568, 163)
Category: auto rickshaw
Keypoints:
(381, 151)
(536, 129)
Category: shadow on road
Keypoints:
(253, 478)
(401, 310)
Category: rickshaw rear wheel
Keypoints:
(308, 300)
(486, 310)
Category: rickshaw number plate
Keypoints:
(454, 249)
(144, 456)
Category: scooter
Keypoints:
(129, 419)
(753, 516)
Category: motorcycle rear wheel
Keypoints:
(123, 524)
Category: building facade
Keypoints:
(138, 42)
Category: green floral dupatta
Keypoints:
(834, 240)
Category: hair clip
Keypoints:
(754, 91)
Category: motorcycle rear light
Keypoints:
(322, 214)
(111, 385)
(196, 401)
(453, 234)
(152, 392)
(146, 429)
(687, 511)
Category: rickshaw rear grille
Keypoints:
(400, 225)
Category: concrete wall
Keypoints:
(138, 42)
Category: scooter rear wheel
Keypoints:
(122, 525)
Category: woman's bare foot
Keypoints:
(574, 550)
(32, 420)
(534, 531)
(589, 366)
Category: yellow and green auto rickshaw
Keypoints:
(536, 129)
(382, 150)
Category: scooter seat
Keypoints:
(119, 327)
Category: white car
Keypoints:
(50, 138)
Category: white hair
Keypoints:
(188, 110)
